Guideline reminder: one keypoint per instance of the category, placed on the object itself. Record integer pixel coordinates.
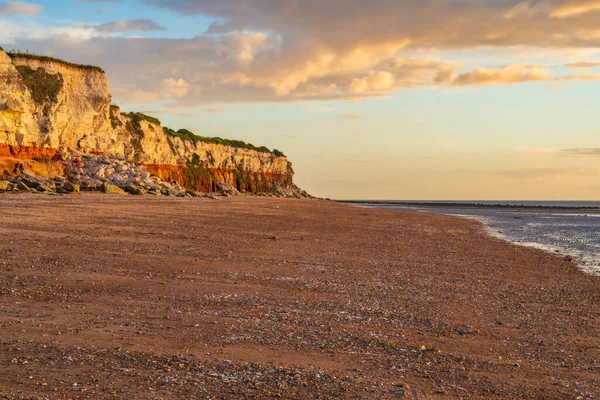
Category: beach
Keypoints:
(106, 296)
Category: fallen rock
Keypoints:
(227, 190)
(4, 185)
(23, 187)
(136, 191)
(111, 189)
(71, 187)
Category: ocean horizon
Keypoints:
(576, 204)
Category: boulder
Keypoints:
(227, 190)
(111, 189)
(23, 187)
(71, 187)
(135, 190)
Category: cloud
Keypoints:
(403, 23)
(582, 152)
(44, 39)
(215, 110)
(175, 87)
(131, 25)
(529, 151)
(167, 89)
(584, 77)
(19, 8)
(571, 8)
(542, 173)
(502, 75)
(584, 65)
(351, 116)
(290, 50)
(375, 82)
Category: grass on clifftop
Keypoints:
(185, 134)
(137, 116)
(32, 56)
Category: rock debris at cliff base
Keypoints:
(175, 298)
(85, 172)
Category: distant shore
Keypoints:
(475, 204)
(161, 297)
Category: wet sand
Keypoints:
(141, 297)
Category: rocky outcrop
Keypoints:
(50, 108)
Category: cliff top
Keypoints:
(32, 56)
(185, 134)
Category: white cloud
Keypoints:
(130, 25)
(19, 8)
(175, 88)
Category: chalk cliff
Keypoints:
(49, 108)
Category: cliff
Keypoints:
(49, 108)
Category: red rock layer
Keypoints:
(39, 160)
(205, 179)
(26, 152)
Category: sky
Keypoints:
(379, 99)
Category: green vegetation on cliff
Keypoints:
(197, 174)
(15, 53)
(137, 117)
(185, 134)
(44, 87)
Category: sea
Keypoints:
(571, 228)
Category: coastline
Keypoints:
(168, 297)
(512, 205)
(588, 261)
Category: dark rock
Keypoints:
(71, 187)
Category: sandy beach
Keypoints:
(163, 298)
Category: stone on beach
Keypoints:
(112, 189)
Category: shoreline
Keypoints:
(589, 263)
(475, 205)
(248, 297)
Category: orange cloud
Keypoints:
(571, 8)
(502, 75)
(584, 65)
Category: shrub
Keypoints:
(44, 87)
(197, 174)
(185, 134)
(137, 117)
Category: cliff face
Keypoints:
(48, 108)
